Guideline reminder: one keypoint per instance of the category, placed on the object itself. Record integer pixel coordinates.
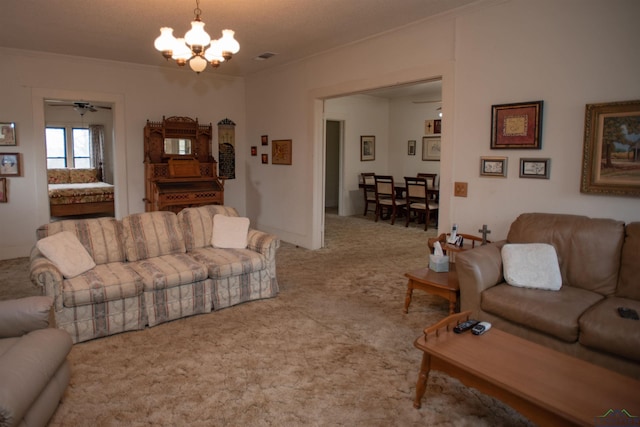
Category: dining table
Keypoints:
(400, 188)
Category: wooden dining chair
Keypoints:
(431, 183)
(386, 197)
(369, 191)
(417, 200)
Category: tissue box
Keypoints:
(439, 263)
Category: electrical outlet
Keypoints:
(460, 189)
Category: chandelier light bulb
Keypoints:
(229, 44)
(198, 64)
(181, 52)
(165, 42)
(197, 38)
(214, 52)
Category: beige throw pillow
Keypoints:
(531, 265)
(229, 232)
(66, 252)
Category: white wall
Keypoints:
(566, 53)
(139, 93)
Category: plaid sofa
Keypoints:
(151, 268)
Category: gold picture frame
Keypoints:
(611, 153)
(281, 152)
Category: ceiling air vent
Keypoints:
(264, 56)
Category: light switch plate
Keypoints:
(460, 189)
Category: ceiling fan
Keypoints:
(80, 106)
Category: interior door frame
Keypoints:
(121, 196)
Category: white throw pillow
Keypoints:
(229, 232)
(66, 252)
(531, 265)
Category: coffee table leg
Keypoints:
(407, 298)
(423, 376)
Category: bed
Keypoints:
(79, 192)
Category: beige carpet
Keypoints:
(333, 349)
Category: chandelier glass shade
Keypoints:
(197, 48)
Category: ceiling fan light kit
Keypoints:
(197, 48)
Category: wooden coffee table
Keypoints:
(546, 386)
(444, 284)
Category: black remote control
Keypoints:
(628, 313)
(465, 326)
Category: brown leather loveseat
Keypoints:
(599, 263)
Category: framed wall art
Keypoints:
(411, 147)
(433, 127)
(8, 133)
(10, 164)
(254, 150)
(535, 168)
(265, 159)
(431, 148)
(611, 153)
(281, 152)
(367, 148)
(516, 125)
(264, 139)
(3, 190)
(493, 166)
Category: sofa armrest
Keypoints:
(45, 274)
(478, 269)
(264, 243)
(27, 367)
(23, 315)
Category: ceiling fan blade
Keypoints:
(427, 102)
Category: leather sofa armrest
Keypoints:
(27, 367)
(478, 269)
(45, 274)
(23, 315)
(264, 243)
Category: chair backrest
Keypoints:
(416, 189)
(384, 187)
(430, 177)
(369, 184)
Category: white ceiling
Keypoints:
(124, 30)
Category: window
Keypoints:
(67, 147)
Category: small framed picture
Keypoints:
(281, 152)
(8, 133)
(265, 159)
(433, 127)
(3, 190)
(516, 125)
(411, 150)
(264, 139)
(367, 148)
(493, 166)
(9, 164)
(254, 150)
(534, 168)
(431, 148)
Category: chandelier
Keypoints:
(196, 47)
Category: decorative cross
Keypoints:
(484, 232)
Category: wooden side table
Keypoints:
(443, 284)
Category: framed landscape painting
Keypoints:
(611, 153)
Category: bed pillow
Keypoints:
(229, 232)
(66, 252)
(531, 265)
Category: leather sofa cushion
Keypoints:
(601, 328)
(589, 249)
(629, 284)
(22, 315)
(222, 263)
(167, 271)
(555, 313)
(106, 282)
